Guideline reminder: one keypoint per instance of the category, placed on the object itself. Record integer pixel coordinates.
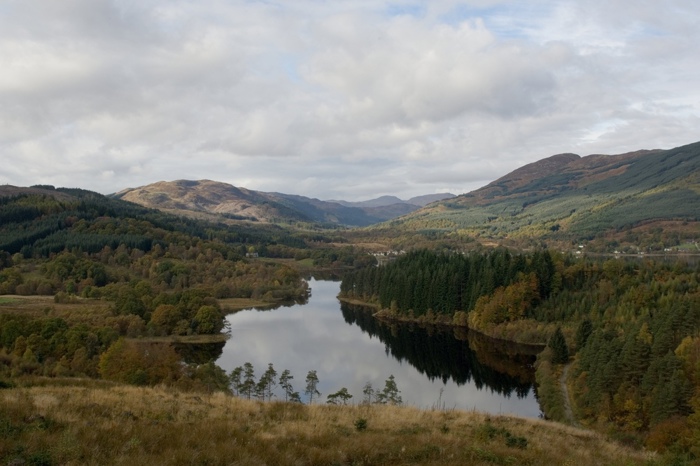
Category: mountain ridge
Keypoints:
(207, 198)
(567, 197)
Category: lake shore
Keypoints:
(522, 332)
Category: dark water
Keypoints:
(348, 348)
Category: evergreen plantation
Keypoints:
(422, 282)
(631, 327)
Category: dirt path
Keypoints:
(567, 401)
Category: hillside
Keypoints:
(644, 200)
(212, 199)
(40, 220)
(68, 422)
(385, 201)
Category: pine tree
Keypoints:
(560, 351)
(266, 384)
(269, 382)
(285, 383)
(343, 395)
(248, 385)
(235, 379)
(368, 393)
(311, 384)
(583, 332)
(390, 394)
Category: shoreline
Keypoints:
(387, 316)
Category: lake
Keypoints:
(347, 347)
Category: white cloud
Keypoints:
(350, 99)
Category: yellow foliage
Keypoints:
(506, 304)
(139, 363)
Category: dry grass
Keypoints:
(188, 339)
(230, 305)
(82, 310)
(110, 424)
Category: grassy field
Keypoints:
(96, 423)
(230, 305)
(80, 310)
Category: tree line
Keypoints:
(445, 283)
(38, 225)
(244, 384)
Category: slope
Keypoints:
(212, 199)
(571, 198)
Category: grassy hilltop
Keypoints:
(95, 422)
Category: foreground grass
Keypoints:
(98, 423)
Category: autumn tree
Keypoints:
(139, 364)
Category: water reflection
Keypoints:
(440, 354)
(429, 366)
(199, 353)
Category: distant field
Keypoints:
(4, 300)
(83, 310)
(238, 304)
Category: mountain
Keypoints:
(385, 201)
(212, 199)
(381, 201)
(42, 220)
(572, 198)
(426, 199)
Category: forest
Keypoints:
(629, 328)
(91, 284)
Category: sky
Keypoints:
(342, 99)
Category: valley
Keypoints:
(590, 260)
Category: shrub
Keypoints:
(361, 424)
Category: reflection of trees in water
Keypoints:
(300, 301)
(439, 355)
(199, 353)
(503, 356)
(327, 275)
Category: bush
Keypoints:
(361, 424)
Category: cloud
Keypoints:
(349, 99)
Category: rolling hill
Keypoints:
(210, 199)
(649, 198)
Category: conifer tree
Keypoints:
(311, 384)
(560, 351)
(248, 385)
(341, 396)
(236, 381)
(285, 383)
(584, 330)
(390, 394)
(368, 392)
(266, 384)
